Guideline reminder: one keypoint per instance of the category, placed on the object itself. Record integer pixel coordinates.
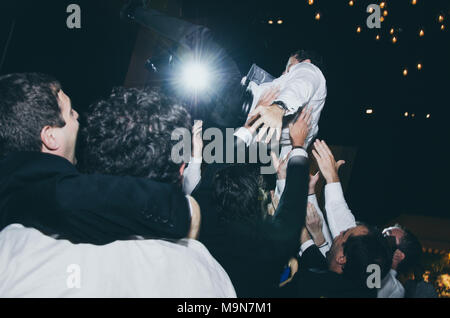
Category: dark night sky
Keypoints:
(401, 165)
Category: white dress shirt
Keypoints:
(303, 85)
(192, 175)
(35, 265)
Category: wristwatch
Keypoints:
(280, 104)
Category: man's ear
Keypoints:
(307, 61)
(183, 166)
(48, 138)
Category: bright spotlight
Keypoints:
(195, 76)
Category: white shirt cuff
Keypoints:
(245, 135)
(281, 184)
(298, 152)
(305, 246)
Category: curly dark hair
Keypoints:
(237, 191)
(28, 103)
(129, 134)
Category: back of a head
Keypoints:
(28, 103)
(237, 193)
(365, 250)
(316, 59)
(130, 133)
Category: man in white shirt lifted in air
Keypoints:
(301, 85)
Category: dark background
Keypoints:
(402, 163)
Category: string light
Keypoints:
(443, 27)
(392, 31)
(280, 21)
(406, 114)
(369, 111)
(382, 5)
(419, 66)
(421, 33)
(318, 16)
(428, 116)
(310, 2)
(385, 13)
(358, 29)
(405, 72)
(394, 39)
(270, 22)
(377, 37)
(351, 3)
(382, 19)
(441, 18)
(413, 2)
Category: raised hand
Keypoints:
(314, 225)
(327, 164)
(197, 140)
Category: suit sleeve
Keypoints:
(291, 212)
(102, 209)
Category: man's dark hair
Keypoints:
(237, 191)
(28, 103)
(362, 251)
(316, 59)
(129, 134)
(411, 247)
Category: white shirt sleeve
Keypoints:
(245, 135)
(192, 175)
(391, 287)
(340, 218)
(298, 87)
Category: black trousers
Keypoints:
(220, 106)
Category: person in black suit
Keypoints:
(250, 244)
(41, 188)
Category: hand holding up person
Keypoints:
(270, 117)
(312, 183)
(327, 164)
(300, 129)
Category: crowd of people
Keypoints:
(128, 221)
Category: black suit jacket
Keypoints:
(314, 280)
(47, 192)
(254, 260)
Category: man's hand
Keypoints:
(270, 116)
(197, 140)
(312, 183)
(325, 159)
(300, 129)
(314, 225)
(280, 165)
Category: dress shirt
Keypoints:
(35, 265)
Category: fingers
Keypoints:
(326, 148)
(256, 125)
(270, 135)
(275, 160)
(255, 112)
(262, 132)
(318, 145)
(340, 163)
